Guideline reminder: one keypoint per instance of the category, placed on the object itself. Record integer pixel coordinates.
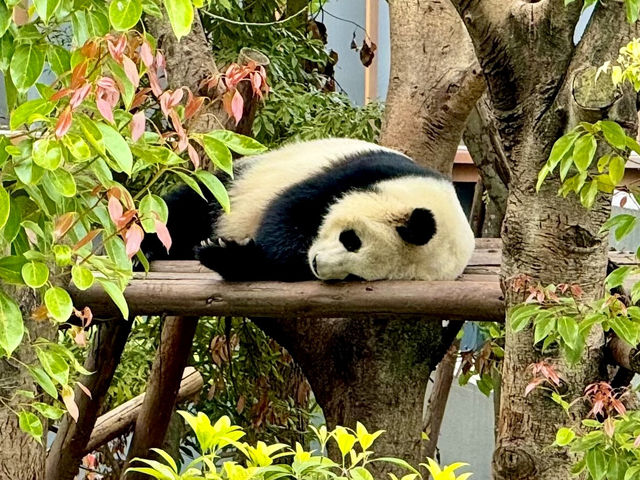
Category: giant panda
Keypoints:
(329, 209)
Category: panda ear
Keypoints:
(420, 227)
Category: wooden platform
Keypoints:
(188, 288)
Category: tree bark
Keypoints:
(20, 455)
(435, 80)
(162, 390)
(548, 238)
(68, 448)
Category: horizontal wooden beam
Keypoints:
(189, 289)
(118, 421)
(207, 296)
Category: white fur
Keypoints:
(374, 215)
(264, 176)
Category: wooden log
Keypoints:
(162, 389)
(455, 300)
(118, 421)
(67, 450)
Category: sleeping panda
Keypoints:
(330, 209)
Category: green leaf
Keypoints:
(35, 274)
(191, 183)
(589, 193)
(561, 149)
(596, 463)
(58, 303)
(124, 14)
(116, 295)
(47, 153)
(97, 23)
(633, 145)
(82, 277)
(631, 9)
(62, 255)
(625, 329)
(583, 152)
(152, 208)
(63, 181)
(616, 169)
(27, 65)
(31, 424)
(11, 324)
(521, 316)
(617, 277)
(565, 436)
(28, 172)
(180, 15)
(7, 47)
(59, 59)
(238, 143)
(544, 326)
(216, 187)
(614, 134)
(5, 206)
(55, 365)
(117, 147)
(12, 227)
(48, 411)
(46, 8)
(622, 225)
(568, 330)
(77, 147)
(44, 380)
(218, 153)
(91, 132)
(21, 115)
(5, 18)
(11, 269)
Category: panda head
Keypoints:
(410, 228)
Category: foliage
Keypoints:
(485, 362)
(270, 462)
(631, 7)
(299, 106)
(77, 185)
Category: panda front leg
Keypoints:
(234, 261)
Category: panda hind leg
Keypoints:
(234, 261)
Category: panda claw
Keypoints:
(222, 243)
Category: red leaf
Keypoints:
(146, 55)
(164, 103)
(193, 156)
(64, 122)
(63, 224)
(154, 83)
(133, 239)
(137, 125)
(78, 76)
(79, 95)
(86, 391)
(131, 71)
(163, 234)
(532, 385)
(105, 109)
(87, 238)
(115, 209)
(176, 97)
(140, 98)
(193, 105)
(237, 106)
(160, 60)
(61, 94)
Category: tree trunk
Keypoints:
(371, 371)
(21, 457)
(68, 448)
(434, 82)
(548, 238)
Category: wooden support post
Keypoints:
(118, 421)
(162, 390)
(68, 448)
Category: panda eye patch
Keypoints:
(350, 240)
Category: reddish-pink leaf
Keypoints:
(256, 83)
(532, 385)
(61, 94)
(193, 105)
(637, 442)
(137, 125)
(623, 201)
(163, 234)
(86, 391)
(63, 224)
(164, 103)
(87, 238)
(146, 55)
(79, 336)
(140, 98)
(193, 156)
(64, 122)
(237, 106)
(115, 209)
(131, 71)
(79, 95)
(105, 109)
(133, 239)
(68, 398)
(176, 97)
(160, 60)
(154, 83)
(78, 75)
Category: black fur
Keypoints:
(420, 227)
(292, 220)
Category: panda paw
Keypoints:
(232, 260)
